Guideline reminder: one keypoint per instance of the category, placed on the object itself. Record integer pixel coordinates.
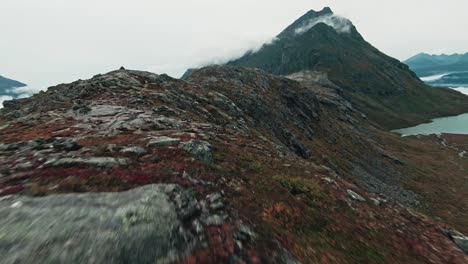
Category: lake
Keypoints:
(453, 125)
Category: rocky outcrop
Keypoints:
(199, 149)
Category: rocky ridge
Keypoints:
(243, 167)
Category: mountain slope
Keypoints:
(241, 166)
(380, 86)
(425, 64)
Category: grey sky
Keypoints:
(47, 42)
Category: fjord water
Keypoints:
(453, 125)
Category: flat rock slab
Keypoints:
(111, 110)
(139, 151)
(137, 226)
(106, 110)
(163, 141)
(106, 162)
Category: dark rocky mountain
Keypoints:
(232, 165)
(425, 64)
(7, 84)
(386, 90)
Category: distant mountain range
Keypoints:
(425, 64)
(385, 89)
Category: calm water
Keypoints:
(453, 125)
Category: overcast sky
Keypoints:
(47, 42)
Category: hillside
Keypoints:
(387, 91)
(425, 64)
(232, 165)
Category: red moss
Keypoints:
(164, 165)
(8, 190)
(30, 132)
(120, 140)
(221, 248)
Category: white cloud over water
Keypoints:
(433, 77)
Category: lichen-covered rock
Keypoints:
(138, 226)
(200, 149)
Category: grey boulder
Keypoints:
(138, 226)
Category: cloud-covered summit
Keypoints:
(340, 24)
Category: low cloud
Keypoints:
(340, 24)
(210, 55)
(25, 90)
(17, 93)
(22, 92)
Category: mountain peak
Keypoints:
(327, 9)
(313, 18)
(313, 14)
(322, 41)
